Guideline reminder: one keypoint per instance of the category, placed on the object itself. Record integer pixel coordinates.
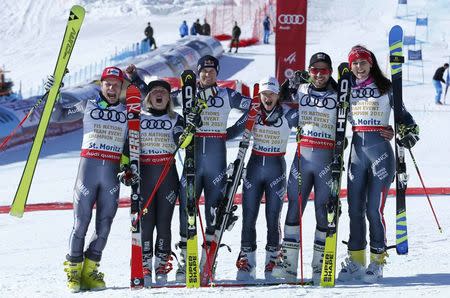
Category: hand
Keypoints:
(301, 77)
(387, 133)
(130, 71)
(194, 119)
(408, 135)
(50, 82)
(127, 177)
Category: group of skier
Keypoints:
(370, 171)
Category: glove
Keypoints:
(127, 177)
(185, 139)
(408, 135)
(194, 119)
(387, 133)
(49, 83)
(300, 77)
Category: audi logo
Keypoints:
(312, 100)
(278, 123)
(156, 124)
(215, 102)
(291, 19)
(366, 93)
(108, 115)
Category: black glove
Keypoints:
(127, 177)
(194, 119)
(49, 83)
(408, 135)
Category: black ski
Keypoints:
(396, 60)
(337, 165)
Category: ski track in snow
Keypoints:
(32, 249)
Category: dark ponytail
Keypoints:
(382, 82)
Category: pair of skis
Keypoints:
(333, 207)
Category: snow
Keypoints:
(33, 248)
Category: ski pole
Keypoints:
(424, 188)
(300, 200)
(13, 132)
(161, 178)
(34, 107)
(208, 260)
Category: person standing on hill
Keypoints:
(206, 28)
(184, 29)
(198, 27)
(266, 26)
(149, 35)
(235, 34)
(437, 79)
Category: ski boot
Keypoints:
(73, 271)
(375, 269)
(287, 264)
(272, 254)
(147, 259)
(246, 264)
(162, 267)
(91, 279)
(318, 250)
(180, 275)
(354, 265)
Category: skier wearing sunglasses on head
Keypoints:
(317, 99)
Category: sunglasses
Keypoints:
(323, 71)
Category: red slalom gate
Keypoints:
(125, 202)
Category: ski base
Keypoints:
(238, 284)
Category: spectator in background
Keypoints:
(184, 29)
(266, 26)
(198, 27)
(149, 35)
(235, 33)
(437, 79)
(206, 28)
(192, 31)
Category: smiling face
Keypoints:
(361, 69)
(320, 73)
(110, 89)
(158, 98)
(269, 100)
(208, 77)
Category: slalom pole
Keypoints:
(300, 202)
(425, 190)
(161, 178)
(208, 260)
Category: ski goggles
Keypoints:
(316, 71)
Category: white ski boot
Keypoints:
(287, 263)
(374, 271)
(319, 248)
(162, 267)
(271, 260)
(354, 266)
(147, 259)
(246, 264)
(180, 276)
